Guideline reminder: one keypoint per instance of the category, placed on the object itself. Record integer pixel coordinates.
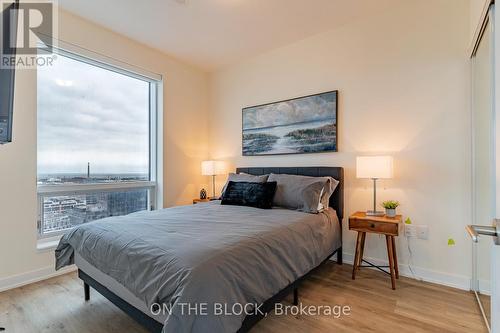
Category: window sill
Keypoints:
(47, 244)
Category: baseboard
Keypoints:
(485, 287)
(41, 274)
(450, 280)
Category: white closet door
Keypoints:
(483, 164)
(483, 157)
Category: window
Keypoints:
(96, 142)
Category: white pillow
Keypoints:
(304, 193)
(244, 177)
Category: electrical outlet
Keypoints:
(410, 230)
(423, 232)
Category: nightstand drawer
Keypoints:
(373, 226)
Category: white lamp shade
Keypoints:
(212, 168)
(374, 167)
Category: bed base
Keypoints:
(147, 322)
(155, 327)
(269, 305)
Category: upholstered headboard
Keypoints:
(337, 198)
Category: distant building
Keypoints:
(65, 212)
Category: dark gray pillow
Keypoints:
(244, 177)
(307, 194)
(259, 195)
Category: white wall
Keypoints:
(185, 127)
(403, 86)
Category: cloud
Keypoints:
(101, 117)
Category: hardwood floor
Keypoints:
(486, 301)
(57, 305)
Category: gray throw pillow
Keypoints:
(244, 177)
(307, 194)
(328, 190)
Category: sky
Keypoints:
(90, 114)
(318, 107)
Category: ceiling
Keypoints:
(211, 34)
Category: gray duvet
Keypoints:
(204, 257)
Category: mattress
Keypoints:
(116, 288)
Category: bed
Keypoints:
(151, 264)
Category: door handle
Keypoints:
(476, 230)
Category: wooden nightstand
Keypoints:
(388, 226)
(197, 200)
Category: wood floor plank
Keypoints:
(57, 306)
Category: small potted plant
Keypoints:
(390, 207)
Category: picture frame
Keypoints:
(300, 125)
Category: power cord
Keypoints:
(410, 260)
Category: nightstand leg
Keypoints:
(356, 256)
(391, 260)
(362, 249)
(396, 268)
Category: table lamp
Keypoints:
(374, 167)
(212, 168)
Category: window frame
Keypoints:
(155, 164)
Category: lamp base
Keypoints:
(374, 213)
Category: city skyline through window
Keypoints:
(93, 143)
(91, 119)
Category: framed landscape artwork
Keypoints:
(295, 126)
